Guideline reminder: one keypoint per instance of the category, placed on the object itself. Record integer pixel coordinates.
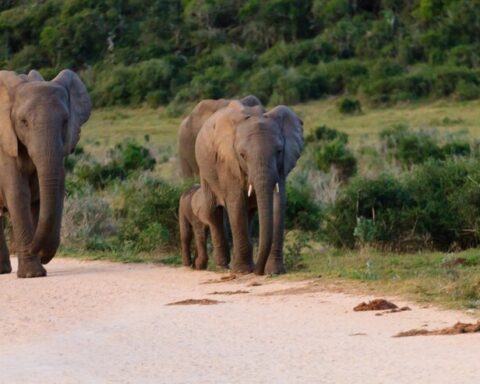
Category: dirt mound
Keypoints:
(394, 310)
(375, 305)
(457, 329)
(221, 279)
(196, 302)
(239, 292)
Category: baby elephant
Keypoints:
(191, 226)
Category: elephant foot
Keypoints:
(5, 266)
(275, 269)
(201, 264)
(222, 268)
(242, 268)
(30, 267)
(186, 262)
(46, 259)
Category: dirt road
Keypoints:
(98, 322)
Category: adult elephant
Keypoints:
(192, 124)
(244, 155)
(39, 125)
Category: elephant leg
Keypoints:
(213, 216)
(275, 265)
(23, 231)
(5, 265)
(186, 236)
(201, 259)
(218, 231)
(35, 209)
(242, 245)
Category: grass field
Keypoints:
(451, 280)
(111, 125)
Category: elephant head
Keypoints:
(191, 125)
(259, 150)
(40, 124)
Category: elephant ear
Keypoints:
(80, 106)
(251, 101)
(35, 76)
(8, 137)
(202, 112)
(292, 128)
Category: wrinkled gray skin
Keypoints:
(39, 125)
(239, 147)
(192, 228)
(192, 124)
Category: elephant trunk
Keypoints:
(264, 188)
(275, 262)
(51, 180)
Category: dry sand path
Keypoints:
(100, 322)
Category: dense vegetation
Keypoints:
(284, 51)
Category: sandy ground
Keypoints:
(99, 322)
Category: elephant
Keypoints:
(192, 124)
(39, 126)
(191, 226)
(244, 155)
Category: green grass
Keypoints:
(111, 125)
(166, 258)
(429, 277)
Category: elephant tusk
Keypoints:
(250, 190)
(277, 187)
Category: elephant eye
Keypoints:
(24, 122)
(242, 155)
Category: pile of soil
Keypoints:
(394, 310)
(222, 279)
(457, 329)
(239, 292)
(196, 302)
(375, 305)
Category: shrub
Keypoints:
(290, 88)
(324, 133)
(431, 207)
(296, 242)
(344, 75)
(87, 221)
(349, 106)
(409, 148)
(466, 90)
(302, 211)
(124, 159)
(368, 210)
(335, 154)
(148, 214)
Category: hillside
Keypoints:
(285, 51)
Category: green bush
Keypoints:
(324, 133)
(466, 90)
(302, 211)
(373, 206)
(431, 207)
(124, 159)
(408, 147)
(349, 106)
(335, 154)
(148, 215)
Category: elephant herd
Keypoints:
(241, 153)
